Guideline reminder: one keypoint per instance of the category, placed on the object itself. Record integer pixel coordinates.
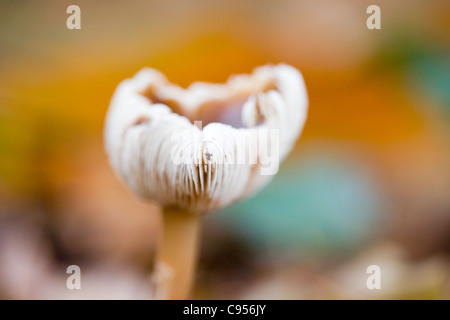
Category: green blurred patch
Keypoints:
(320, 204)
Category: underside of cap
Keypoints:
(204, 147)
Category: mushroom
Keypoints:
(200, 149)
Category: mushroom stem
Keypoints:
(178, 250)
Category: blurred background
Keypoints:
(368, 182)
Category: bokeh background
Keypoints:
(368, 182)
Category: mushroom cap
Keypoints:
(249, 125)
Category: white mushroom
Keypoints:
(248, 126)
(147, 111)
